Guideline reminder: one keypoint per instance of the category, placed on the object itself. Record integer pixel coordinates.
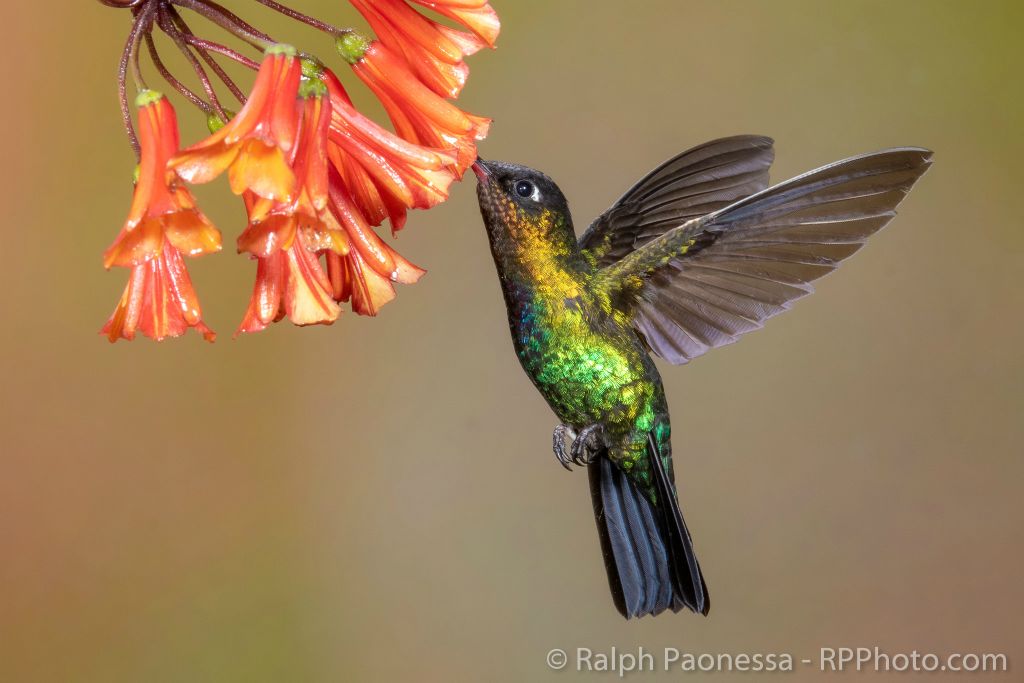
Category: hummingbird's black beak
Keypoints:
(483, 173)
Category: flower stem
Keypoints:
(222, 49)
(175, 34)
(305, 18)
(174, 82)
(228, 21)
(130, 60)
(146, 19)
(203, 47)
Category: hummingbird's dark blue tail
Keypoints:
(647, 549)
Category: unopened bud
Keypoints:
(351, 46)
(147, 97)
(214, 121)
(281, 49)
(312, 88)
(311, 67)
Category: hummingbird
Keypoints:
(696, 254)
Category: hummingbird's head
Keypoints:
(520, 203)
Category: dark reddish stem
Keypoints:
(305, 18)
(227, 20)
(197, 51)
(174, 82)
(224, 50)
(202, 47)
(129, 59)
(168, 27)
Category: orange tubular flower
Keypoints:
(433, 51)
(388, 174)
(419, 114)
(255, 144)
(163, 223)
(316, 176)
(285, 236)
(290, 282)
(159, 300)
(365, 274)
(274, 222)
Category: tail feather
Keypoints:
(651, 551)
(647, 550)
(616, 542)
(687, 577)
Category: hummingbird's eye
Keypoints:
(526, 189)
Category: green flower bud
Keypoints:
(312, 88)
(214, 122)
(312, 68)
(281, 49)
(352, 46)
(147, 97)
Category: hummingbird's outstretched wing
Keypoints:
(692, 184)
(704, 283)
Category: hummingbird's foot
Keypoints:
(558, 443)
(587, 445)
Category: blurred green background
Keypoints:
(377, 500)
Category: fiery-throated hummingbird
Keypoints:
(697, 253)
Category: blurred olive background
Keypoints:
(377, 500)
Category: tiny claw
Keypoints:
(587, 445)
(558, 445)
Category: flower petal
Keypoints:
(308, 300)
(263, 170)
(265, 304)
(273, 233)
(198, 165)
(137, 245)
(191, 233)
(159, 300)
(476, 15)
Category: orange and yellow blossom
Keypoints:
(254, 146)
(290, 282)
(285, 237)
(433, 51)
(419, 115)
(365, 275)
(163, 223)
(159, 300)
(387, 174)
(315, 175)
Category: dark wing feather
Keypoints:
(705, 283)
(691, 184)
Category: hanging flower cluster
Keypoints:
(315, 175)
